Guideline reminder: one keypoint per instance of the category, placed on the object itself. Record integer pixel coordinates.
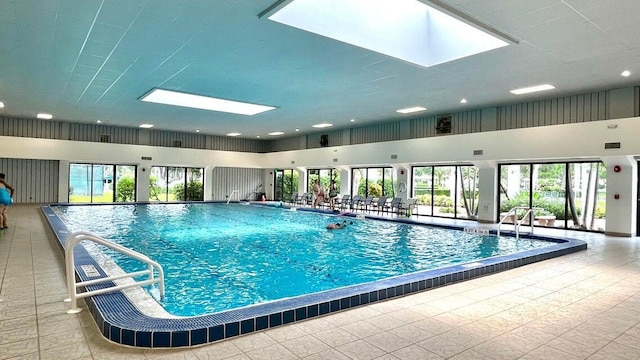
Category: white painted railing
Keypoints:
(237, 192)
(73, 285)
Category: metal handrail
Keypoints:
(237, 192)
(72, 285)
(518, 222)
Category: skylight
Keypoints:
(531, 89)
(203, 102)
(409, 30)
(410, 110)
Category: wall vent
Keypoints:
(335, 159)
(324, 140)
(105, 138)
(147, 158)
(443, 125)
(176, 143)
(478, 152)
(394, 157)
(612, 145)
(293, 162)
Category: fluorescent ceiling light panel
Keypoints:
(323, 125)
(409, 30)
(44, 116)
(146, 126)
(276, 133)
(234, 134)
(531, 89)
(411, 110)
(203, 102)
(1, 104)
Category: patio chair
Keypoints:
(379, 204)
(302, 199)
(364, 204)
(407, 207)
(393, 205)
(293, 199)
(339, 201)
(356, 201)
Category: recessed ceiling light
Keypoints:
(1, 104)
(234, 134)
(463, 101)
(531, 89)
(98, 121)
(258, 136)
(146, 126)
(410, 110)
(322, 125)
(410, 30)
(297, 129)
(353, 120)
(626, 73)
(203, 102)
(197, 130)
(276, 133)
(44, 116)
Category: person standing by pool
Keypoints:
(6, 193)
(318, 193)
(333, 193)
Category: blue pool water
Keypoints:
(218, 257)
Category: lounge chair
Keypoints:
(340, 202)
(393, 205)
(407, 207)
(356, 201)
(294, 199)
(364, 204)
(379, 205)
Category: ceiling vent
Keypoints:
(443, 125)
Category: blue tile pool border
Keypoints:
(120, 320)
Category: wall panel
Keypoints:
(10, 126)
(375, 133)
(563, 110)
(35, 181)
(226, 179)
(92, 132)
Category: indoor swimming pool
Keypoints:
(233, 269)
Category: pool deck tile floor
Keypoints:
(584, 305)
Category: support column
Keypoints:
(487, 188)
(622, 194)
(63, 181)
(208, 183)
(142, 182)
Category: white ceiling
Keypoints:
(91, 60)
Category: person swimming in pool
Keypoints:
(338, 225)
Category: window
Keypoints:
(102, 183)
(374, 182)
(446, 191)
(325, 176)
(176, 184)
(565, 195)
(286, 184)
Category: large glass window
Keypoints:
(325, 176)
(102, 183)
(286, 184)
(566, 195)
(176, 184)
(447, 191)
(374, 182)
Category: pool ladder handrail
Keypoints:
(519, 222)
(237, 192)
(72, 285)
